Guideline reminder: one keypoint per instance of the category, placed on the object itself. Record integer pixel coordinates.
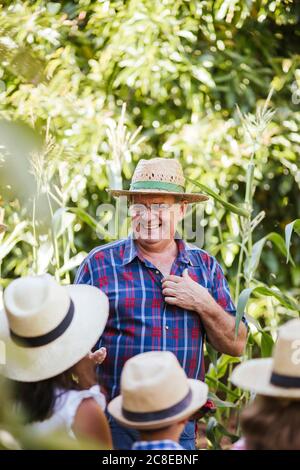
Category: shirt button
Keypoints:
(157, 272)
(167, 327)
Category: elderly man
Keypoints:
(164, 294)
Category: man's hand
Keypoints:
(98, 356)
(85, 370)
(219, 325)
(185, 292)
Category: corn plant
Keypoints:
(248, 261)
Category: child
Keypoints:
(157, 399)
(271, 422)
(49, 331)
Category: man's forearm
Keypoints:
(220, 328)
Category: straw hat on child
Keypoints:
(278, 376)
(159, 176)
(47, 328)
(155, 392)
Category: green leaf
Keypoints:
(53, 7)
(231, 207)
(212, 354)
(224, 361)
(215, 431)
(12, 239)
(220, 403)
(257, 248)
(84, 216)
(285, 300)
(187, 35)
(293, 226)
(267, 344)
(203, 76)
(90, 221)
(211, 432)
(241, 306)
(72, 263)
(44, 256)
(61, 220)
(220, 386)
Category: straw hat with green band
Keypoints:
(159, 176)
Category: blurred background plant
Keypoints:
(89, 87)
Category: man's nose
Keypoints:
(149, 215)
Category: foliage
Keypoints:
(181, 67)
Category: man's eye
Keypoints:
(135, 209)
(165, 207)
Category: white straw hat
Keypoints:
(155, 392)
(159, 176)
(278, 376)
(48, 328)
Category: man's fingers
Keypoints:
(169, 291)
(99, 352)
(98, 356)
(172, 278)
(171, 300)
(170, 284)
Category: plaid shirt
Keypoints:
(139, 318)
(165, 444)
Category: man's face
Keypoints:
(156, 217)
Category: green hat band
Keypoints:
(161, 185)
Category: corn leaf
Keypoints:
(231, 207)
(293, 226)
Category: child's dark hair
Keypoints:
(37, 399)
(272, 424)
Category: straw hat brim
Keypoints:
(254, 375)
(188, 197)
(199, 397)
(34, 364)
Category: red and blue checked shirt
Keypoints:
(165, 444)
(139, 318)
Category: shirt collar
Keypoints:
(130, 250)
(183, 251)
